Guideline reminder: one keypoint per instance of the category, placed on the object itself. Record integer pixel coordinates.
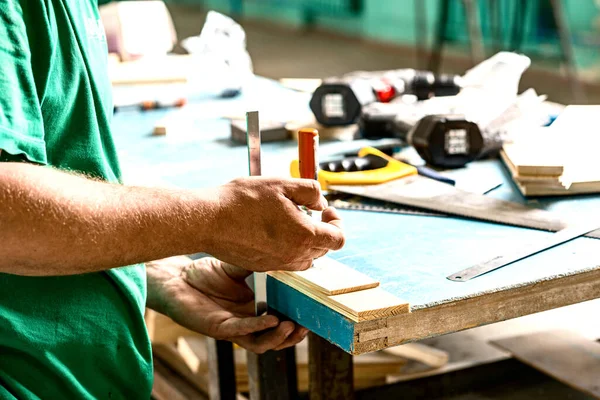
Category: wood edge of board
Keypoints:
(329, 277)
(359, 305)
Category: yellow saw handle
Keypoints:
(393, 169)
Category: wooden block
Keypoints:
(528, 159)
(564, 355)
(169, 355)
(329, 277)
(419, 352)
(359, 299)
(152, 70)
(301, 84)
(162, 329)
(270, 131)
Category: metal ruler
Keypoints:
(253, 141)
(553, 240)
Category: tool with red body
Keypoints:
(339, 100)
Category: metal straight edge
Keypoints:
(500, 261)
(253, 140)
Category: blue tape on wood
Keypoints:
(311, 314)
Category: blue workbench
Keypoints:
(410, 255)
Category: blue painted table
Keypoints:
(409, 255)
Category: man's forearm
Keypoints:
(54, 223)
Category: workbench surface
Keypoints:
(410, 255)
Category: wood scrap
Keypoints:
(420, 352)
(563, 355)
(170, 355)
(306, 85)
(172, 386)
(359, 300)
(329, 277)
(162, 329)
(172, 68)
(559, 159)
(358, 306)
(531, 159)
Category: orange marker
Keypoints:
(308, 142)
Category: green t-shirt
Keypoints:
(80, 336)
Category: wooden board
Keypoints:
(174, 68)
(358, 306)
(546, 179)
(329, 277)
(573, 181)
(565, 356)
(534, 159)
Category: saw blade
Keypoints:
(428, 194)
(343, 201)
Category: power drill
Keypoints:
(339, 100)
(442, 140)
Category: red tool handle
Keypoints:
(308, 142)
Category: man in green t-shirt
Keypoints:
(73, 283)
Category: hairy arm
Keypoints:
(56, 223)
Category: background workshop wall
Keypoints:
(394, 22)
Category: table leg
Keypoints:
(330, 371)
(272, 375)
(221, 371)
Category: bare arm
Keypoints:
(55, 223)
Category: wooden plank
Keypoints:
(330, 371)
(165, 390)
(162, 329)
(168, 354)
(419, 352)
(565, 356)
(531, 158)
(358, 306)
(329, 277)
(176, 382)
(359, 300)
(173, 68)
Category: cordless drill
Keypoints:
(442, 140)
(339, 100)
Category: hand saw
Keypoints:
(253, 140)
(384, 178)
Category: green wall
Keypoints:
(393, 21)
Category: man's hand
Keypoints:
(211, 298)
(260, 227)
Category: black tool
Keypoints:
(339, 100)
(447, 141)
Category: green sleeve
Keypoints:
(21, 124)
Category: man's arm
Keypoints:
(55, 223)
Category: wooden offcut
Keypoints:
(529, 159)
(329, 277)
(566, 356)
(347, 291)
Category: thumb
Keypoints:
(305, 192)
